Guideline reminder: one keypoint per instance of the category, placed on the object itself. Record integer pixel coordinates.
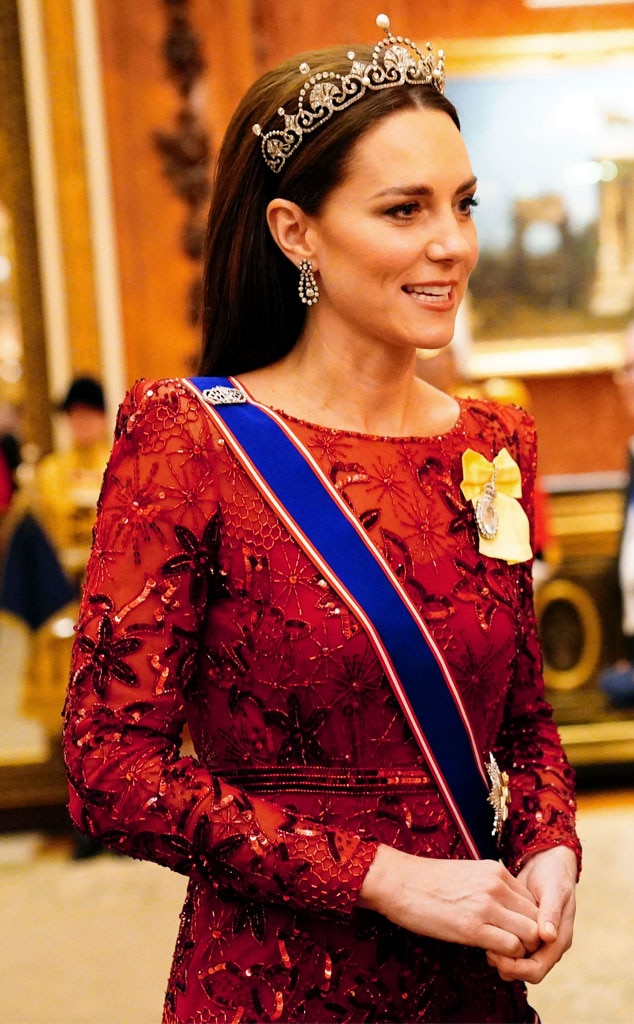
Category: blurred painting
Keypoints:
(554, 154)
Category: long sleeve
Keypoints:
(542, 810)
(153, 574)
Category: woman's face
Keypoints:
(395, 242)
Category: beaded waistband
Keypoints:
(309, 779)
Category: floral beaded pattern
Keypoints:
(200, 608)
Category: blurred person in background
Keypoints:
(47, 542)
(6, 483)
(10, 440)
(67, 481)
(618, 680)
(49, 529)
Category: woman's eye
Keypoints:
(405, 211)
(468, 203)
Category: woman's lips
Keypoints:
(436, 294)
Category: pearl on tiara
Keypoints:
(396, 61)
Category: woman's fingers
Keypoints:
(522, 933)
(532, 969)
(509, 913)
(524, 923)
(550, 877)
(535, 967)
(475, 903)
(502, 944)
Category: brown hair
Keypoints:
(252, 315)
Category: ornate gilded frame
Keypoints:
(586, 525)
(531, 57)
(582, 607)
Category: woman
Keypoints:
(254, 532)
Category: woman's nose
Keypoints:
(452, 240)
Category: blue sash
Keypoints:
(321, 524)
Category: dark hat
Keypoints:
(84, 391)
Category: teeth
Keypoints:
(430, 289)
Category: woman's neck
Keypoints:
(366, 389)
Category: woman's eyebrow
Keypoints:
(469, 184)
(422, 190)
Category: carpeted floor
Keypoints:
(90, 942)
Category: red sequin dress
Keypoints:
(200, 610)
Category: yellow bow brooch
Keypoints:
(493, 488)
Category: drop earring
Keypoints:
(308, 288)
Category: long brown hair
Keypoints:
(252, 315)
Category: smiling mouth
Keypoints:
(430, 292)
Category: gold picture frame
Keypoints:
(534, 310)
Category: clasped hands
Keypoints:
(524, 923)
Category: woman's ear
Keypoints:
(289, 227)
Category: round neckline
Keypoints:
(360, 435)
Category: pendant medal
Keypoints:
(486, 515)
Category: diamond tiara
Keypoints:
(396, 60)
